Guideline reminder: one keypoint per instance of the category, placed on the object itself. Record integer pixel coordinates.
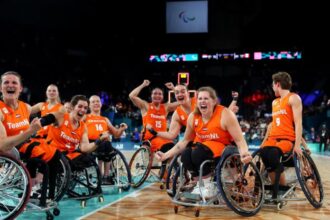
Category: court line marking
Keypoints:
(109, 204)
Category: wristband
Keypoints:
(47, 120)
(152, 131)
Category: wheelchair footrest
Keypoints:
(187, 196)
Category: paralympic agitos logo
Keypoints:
(186, 18)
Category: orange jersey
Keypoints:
(44, 111)
(65, 138)
(157, 119)
(182, 114)
(282, 133)
(211, 134)
(96, 125)
(15, 121)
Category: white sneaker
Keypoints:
(209, 190)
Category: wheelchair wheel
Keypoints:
(180, 181)
(309, 179)
(171, 174)
(140, 166)
(241, 186)
(15, 187)
(120, 171)
(62, 178)
(85, 182)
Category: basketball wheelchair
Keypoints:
(16, 188)
(239, 186)
(142, 164)
(302, 180)
(119, 175)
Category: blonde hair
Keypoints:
(212, 93)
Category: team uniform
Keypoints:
(44, 111)
(183, 116)
(96, 125)
(211, 134)
(16, 121)
(209, 142)
(157, 119)
(282, 133)
(65, 138)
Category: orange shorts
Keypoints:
(285, 145)
(158, 142)
(41, 149)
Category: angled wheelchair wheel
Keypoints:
(140, 166)
(62, 178)
(120, 171)
(85, 183)
(15, 187)
(309, 179)
(241, 186)
(180, 180)
(171, 174)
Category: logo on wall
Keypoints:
(183, 15)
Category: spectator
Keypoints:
(324, 137)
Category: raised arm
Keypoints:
(36, 108)
(233, 105)
(138, 102)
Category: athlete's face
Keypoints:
(181, 94)
(95, 103)
(11, 87)
(205, 103)
(52, 92)
(275, 89)
(80, 109)
(157, 96)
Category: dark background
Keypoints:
(61, 41)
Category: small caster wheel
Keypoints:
(279, 206)
(197, 213)
(176, 209)
(101, 199)
(161, 186)
(83, 203)
(50, 216)
(56, 212)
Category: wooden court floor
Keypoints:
(152, 203)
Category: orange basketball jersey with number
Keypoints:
(282, 133)
(44, 111)
(96, 125)
(211, 134)
(65, 138)
(182, 114)
(157, 119)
